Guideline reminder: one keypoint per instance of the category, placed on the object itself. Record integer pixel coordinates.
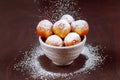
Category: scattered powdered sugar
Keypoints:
(93, 58)
(55, 9)
(32, 65)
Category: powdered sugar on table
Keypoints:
(32, 65)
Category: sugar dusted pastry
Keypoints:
(54, 40)
(72, 39)
(80, 26)
(44, 28)
(68, 18)
(61, 28)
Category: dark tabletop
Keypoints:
(18, 20)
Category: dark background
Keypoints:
(18, 20)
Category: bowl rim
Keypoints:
(63, 47)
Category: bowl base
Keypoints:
(63, 64)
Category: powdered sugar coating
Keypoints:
(63, 24)
(44, 28)
(80, 26)
(68, 18)
(72, 39)
(46, 24)
(54, 40)
(61, 28)
(79, 23)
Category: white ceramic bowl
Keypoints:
(62, 55)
